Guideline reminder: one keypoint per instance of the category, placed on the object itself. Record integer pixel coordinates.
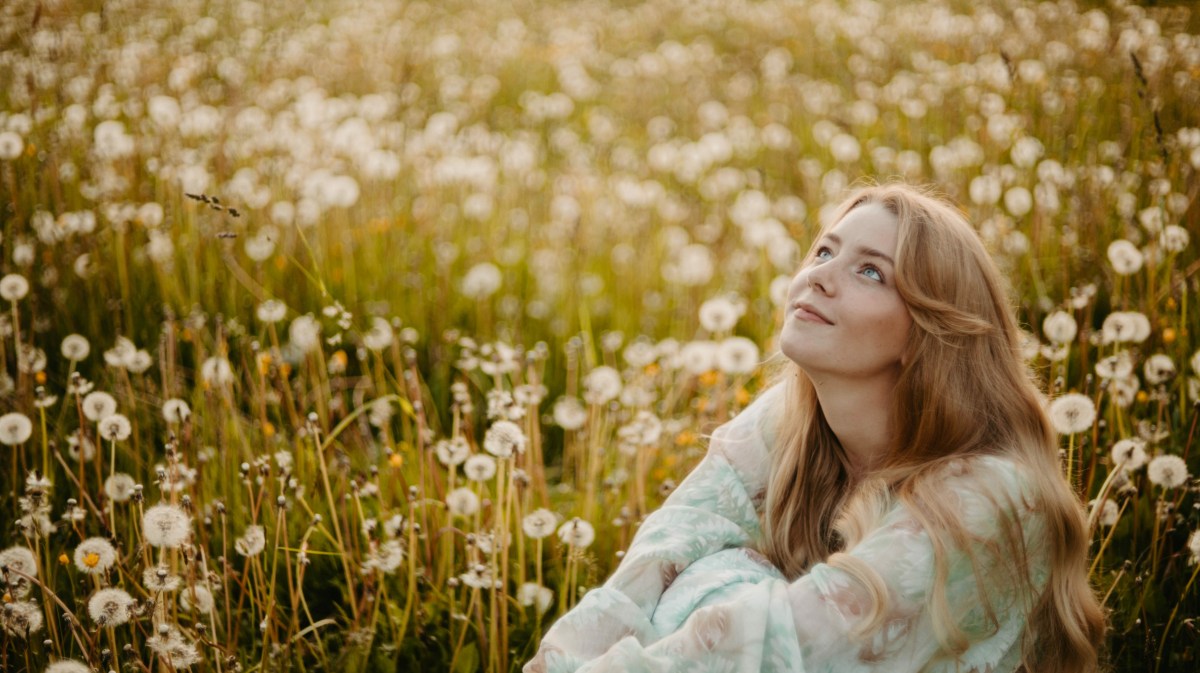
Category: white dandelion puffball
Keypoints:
(462, 502)
(719, 314)
(1072, 413)
(1129, 454)
(1167, 471)
(169, 644)
(539, 523)
(159, 579)
(11, 145)
(699, 357)
(216, 371)
(1125, 326)
(252, 542)
(176, 411)
(1195, 362)
(602, 385)
(68, 666)
(577, 533)
(13, 287)
(305, 333)
(1174, 238)
(21, 618)
(110, 607)
(503, 439)
(1124, 256)
(75, 347)
(380, 336)
(95, 555)
(196, 597)
(569, 413)
(98, 404)
(1108, 512)
(119, 487)
(737, 355)
(22, 560)
(15, 428)
(1059, 327)
(481, 281)
(114, 427)
(1193, 545)
(271, 311)
(451, 452)
(166, 525)
(1159, 368)
(480, 467)
(532, 593)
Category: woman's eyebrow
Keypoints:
(869, 252)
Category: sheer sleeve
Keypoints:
(687, 597)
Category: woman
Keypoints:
(895, 503)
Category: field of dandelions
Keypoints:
(360, 335)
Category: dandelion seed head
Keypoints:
(305, 333)
(23, 562)
(532, 593)
(76, 348)
(480, 467)
(380, 336)
(698, 357)
(462, 502)
(451, 452)
(1060, 327)
(1193, 546)
(95, 555)
(114, 427)
(602, 385)
(216, 372)
(719, 314)
(577, 533)
(13, 287)
(1167, 471)
(68, 666)
(1124, 256)
(15, 428)
(539, 523)
(176, 411)
(169, 644)
(11, 145)
(481, 281)
(119, 487)
(21, 618)
(569, 413)
(1072, 413)
(1159, 368)
(1108, 512)
(160, 579)
(271, 311)
(196, 598)
(166, 525)
(98, 404)
(737, 356)
(503, 439)
(252, 542)
(1129, 453)
(110, 607)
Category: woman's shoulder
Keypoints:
(984, 486)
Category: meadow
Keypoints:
(360, 335)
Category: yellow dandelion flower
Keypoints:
(264, 363)
(268, 429)
(186, 335)
(1142, 396)
(742, 396)
(284, 370)
(658, 474)
(40, 377)
(396, 460)
(652, 369)
(63, 559)
(684, 438)
(710, 377)
(1169, 335)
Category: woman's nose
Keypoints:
(819, 279)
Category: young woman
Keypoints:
(894, 503)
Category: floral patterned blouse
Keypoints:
(691, 594)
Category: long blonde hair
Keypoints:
(963, 390)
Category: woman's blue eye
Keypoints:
(823, 251)
(872, 270)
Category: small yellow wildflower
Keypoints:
(1169, 335)
(396, 460)
(1142, 396)
(652, 369)
(684, 438)
(285, 369)
(91, 559)
(710, 377)
(64, 559)
(268, 429)
(742, 396)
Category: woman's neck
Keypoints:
(859, 413)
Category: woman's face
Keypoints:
(845, 317)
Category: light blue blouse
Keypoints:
(692, 595)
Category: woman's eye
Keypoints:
(873, 273)
(824, 253)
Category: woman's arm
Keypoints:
(810, 624)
